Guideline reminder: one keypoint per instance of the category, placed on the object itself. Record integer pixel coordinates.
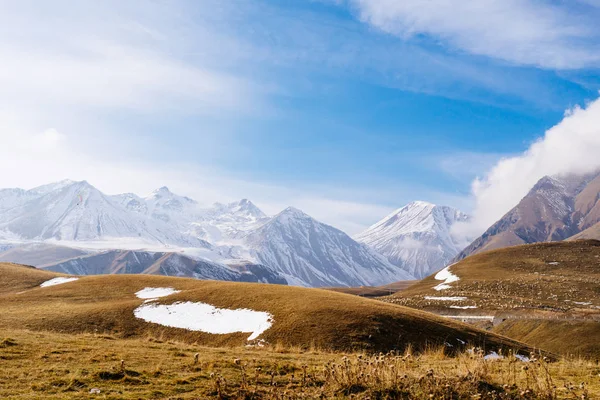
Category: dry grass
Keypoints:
(302, 317)
(570, 338)
(375, 291)
(59, 366)
(539, 278)
(558, 283)
(537, 288)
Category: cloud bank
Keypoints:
(570, 147)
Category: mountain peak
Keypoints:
(420, 204)
(161, 191)
(293, 212)
(417, 237)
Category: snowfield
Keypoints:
(446, 276)
(58, 281)
(155, 293)
(196, 316)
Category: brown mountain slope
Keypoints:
(301, 317)
(555, 209)
(593, 232)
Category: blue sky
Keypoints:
(345, 109)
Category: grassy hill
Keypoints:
(562, 277)
(568, 337)
(302, 317)
(546, 295)
(375, 291)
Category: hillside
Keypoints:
(555, 209)
(541, 278)
(417, 237)
(296, 316)
(375, 291)
(542, 294)
(557, 336)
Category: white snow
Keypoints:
(463, 307)
(446, 276)
(196, 316)
(155, 293)
(580, 303)
(442, 298)
(554, 263)
(493, 356)
(57, 281)
(522, 358)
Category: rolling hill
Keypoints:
(544, 294)
(286, 315)
(539, 278)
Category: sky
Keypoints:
(346, 109)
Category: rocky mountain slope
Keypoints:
(304, 249)
(417, 237)
(556, 208)
(160, 263)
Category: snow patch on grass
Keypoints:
(493, 356)
(446, 276)
(206, 318)
(58, 281)
(155, 293)
(442, 298)
(522, 358)
(463, 307)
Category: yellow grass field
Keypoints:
(43, 365)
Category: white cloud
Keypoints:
(539, 33)
(110, 55)
(570, 147)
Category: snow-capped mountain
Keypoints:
(306, 251)
(417, 237)
(77, 211)
(227, 222)
(77, 215)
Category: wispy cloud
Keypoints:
(539, 33)
(114, 62)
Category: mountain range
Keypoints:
(74, 228)
(79, 229)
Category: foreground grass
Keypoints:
(60, 366)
